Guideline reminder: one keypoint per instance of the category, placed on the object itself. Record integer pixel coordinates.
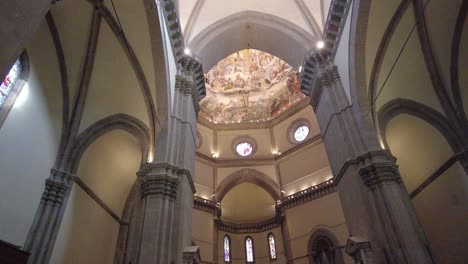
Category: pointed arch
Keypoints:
(258, 30)
(118, 121)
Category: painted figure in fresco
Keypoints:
(247, 86)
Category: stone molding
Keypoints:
(307, 195)
(249, 228)
(359, 249)
(205, 205)
(165, 169)
(193, 64)
(184, 84)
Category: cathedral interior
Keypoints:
(234, 131)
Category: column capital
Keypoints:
(54, 193)
(359, 249)
(152, 171)
(375, 167)
(191, 255)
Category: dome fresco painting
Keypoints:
(249, 86)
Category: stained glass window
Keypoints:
(6, 87)
(227, 249)
(272, 246)
(244, 149)
(301, 133)
(249, 250)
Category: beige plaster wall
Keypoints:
(303, 220)
(88, 233)
(29, 140)
(74, 35)
(203, 234)
(442, 206)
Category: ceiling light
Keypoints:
(320, 44)
(300, 69)
(215, 155)
(283, 191)
(187, 51)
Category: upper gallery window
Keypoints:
(272, 246)
(249, 250)
(244, 149)
(227, 249)
(298, 131)
(11, 85)
(301, 133)
(244, 146)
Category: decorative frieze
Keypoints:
(308, 194)
(249, 228)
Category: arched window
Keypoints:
(227, 249)
(323, 248)
(272, 246)
(249, 250)
(11, 85)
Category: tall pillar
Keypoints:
(166, 183)
(48, 216)
(375, 202)
(19, 21)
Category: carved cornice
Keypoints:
(249, 228)
(205, 205)
(165, 169)
(61, 176)
(308, 194)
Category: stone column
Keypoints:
(375, 202)
(166, 184)
(19, 21)
(46, 224)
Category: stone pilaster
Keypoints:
(360, 250)
(376, 205)
(47, 221)
(191, 255)
(166, 184)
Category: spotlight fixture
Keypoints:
(187, 51)
(215, 155)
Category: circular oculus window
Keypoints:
(301, 133)
(244, 149)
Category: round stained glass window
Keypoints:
(301, 133)
(244, 149)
